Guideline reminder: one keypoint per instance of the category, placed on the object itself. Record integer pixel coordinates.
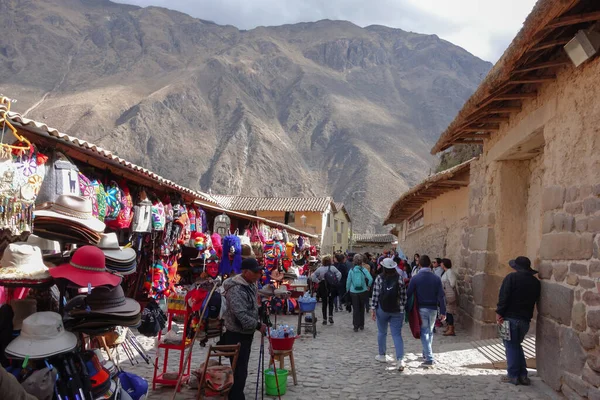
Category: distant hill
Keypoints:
(321, 108)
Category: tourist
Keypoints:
(358, 283)
(436, 266)
(519, 293)
(429, 293)
(241, 320)
(328, 277)
(401, 268)
(414, 266)
(387, 305)
(449, 285)
(340, 264)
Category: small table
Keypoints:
(313, 325)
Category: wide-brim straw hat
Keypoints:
(23, 262)
(77, 209)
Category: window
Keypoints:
(335, 226)
(329, 220)
(416, 221)
(290, 217)
(342, 227)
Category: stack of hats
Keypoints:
(121, 260)
(86, 268)
(103, 387)
(69, 219)
(22, 265)
(51, 250)
(104, 308)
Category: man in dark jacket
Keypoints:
(429, 293)
(242, 320)
(519, 293)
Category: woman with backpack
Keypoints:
(358, 283)
(328, 277)
(387, 305)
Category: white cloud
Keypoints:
(482, 27)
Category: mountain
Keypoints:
(319, 108)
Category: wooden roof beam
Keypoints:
(481, 129)
(495, 120)
(532, 79)
(475, 136)
(573, 20)
(503, 110)
(459, 183)
(543, 65)
(549, 44)
(516, 96)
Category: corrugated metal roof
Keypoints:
(38, 127)
(239, 203)
(249, 217)
(373, 238)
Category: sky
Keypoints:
(483, 27)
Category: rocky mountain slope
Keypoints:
(322, 108)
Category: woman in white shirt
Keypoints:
(449, 285)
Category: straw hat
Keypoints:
(388, 263)
(22, 262)
(77, 209)
(47, 246)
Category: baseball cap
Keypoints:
(251, 264)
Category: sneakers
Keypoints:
(427, 364)
(401, 365)
(355, 329)
(331, 320)
(324, 321)
(384, 358)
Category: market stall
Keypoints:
(97, 246)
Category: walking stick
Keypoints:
(189, 354)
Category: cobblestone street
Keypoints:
(340, 364)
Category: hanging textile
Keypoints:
(232, 255)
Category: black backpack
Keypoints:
(331, 278)
(389, 298)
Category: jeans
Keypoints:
(427, 324)
(241, 368)
(395, 320)
(449, 319)
(358, 309)
(515, 358)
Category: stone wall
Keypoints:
(546, 205)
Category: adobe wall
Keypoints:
(445, 218)
(548, 208)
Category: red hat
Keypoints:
(87, 266)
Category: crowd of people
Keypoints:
(389, 288)
(383, 285)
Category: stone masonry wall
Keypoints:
(560, 231)
(570, 304)
(476, 257)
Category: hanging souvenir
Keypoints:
(222, 224)
(62, 177)
(232, 255)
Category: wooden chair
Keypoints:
(214, 351)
